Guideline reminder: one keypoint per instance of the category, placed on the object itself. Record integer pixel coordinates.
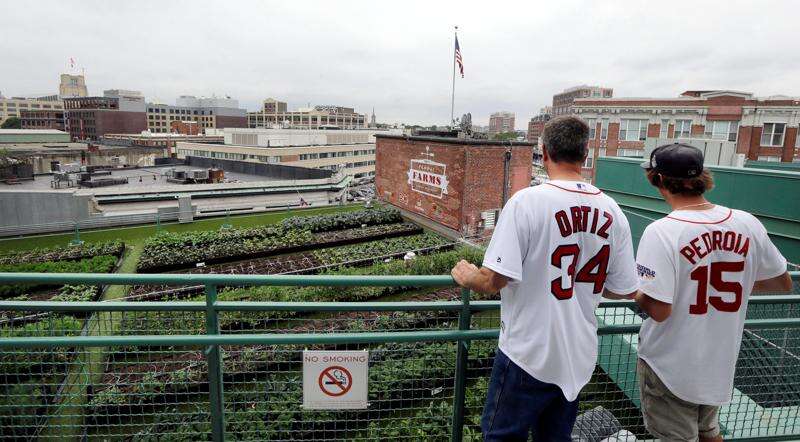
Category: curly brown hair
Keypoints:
(682, 186)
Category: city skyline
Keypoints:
(303, 55)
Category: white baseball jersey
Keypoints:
(704, 263)
(560, 244)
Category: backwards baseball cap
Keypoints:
(676, 160)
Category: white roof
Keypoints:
(32, 132)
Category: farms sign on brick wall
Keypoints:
(428, 177)
(450, 181)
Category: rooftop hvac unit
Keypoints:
(70, 167)
(199, 174)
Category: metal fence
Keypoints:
(231, 370)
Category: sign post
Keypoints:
(335, 380)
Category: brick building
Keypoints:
(562, 102)
(89, 118)
(500, 122)
(760, 128)
(460, 184)
(536, 125)
(42, 119)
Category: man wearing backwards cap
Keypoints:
(697, 268)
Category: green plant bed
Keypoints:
(268, 358)
(393, 381)
(62, 253)
(96, 264)
(436, 264)
(162, 253)
(314, 261)
(340, 221)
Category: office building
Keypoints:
(118, 111)
(72, 86)
(206, 113)
(349, 151)
(42, 119)
(12, 107)
(274, 114)
(562, 102)
(726, 123)
(500, 122)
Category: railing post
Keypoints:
(214, 358)
(462, 354)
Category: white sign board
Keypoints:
(335, 380)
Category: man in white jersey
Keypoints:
(697, 268)
(556, 249)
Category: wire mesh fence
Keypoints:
(148, 389)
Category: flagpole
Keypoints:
(453, 90)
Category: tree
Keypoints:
(505, 136)
(11, 123)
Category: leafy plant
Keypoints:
(63, 253)
(340, 221)
(96, 264)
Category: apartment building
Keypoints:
(207, 113)
(500, 122)
(536, 125)
(762, 129)
(562, 102)
(274, 114)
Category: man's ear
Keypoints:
(545, 156)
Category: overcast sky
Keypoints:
(398, 56)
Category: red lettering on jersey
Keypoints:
(563, 223)
(689, 254)
(603, 232)
(577, 219)
(716, 240)
(696, 248)
(745, 248)
(701, 246)
(728, 241)
(594, 220)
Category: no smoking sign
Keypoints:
(335, 380)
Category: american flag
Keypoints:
(459, 60)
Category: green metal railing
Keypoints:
(263, 357)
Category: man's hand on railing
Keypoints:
(481, 280)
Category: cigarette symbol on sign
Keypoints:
(335, 381)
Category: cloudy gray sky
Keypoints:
(397, 56)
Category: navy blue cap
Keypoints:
(676, 160)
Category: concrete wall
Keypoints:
(23, 208)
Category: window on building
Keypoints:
(769, 158)
(604, 129)
(630, 152)
(722, 130)
(664, 132)
(632, 130)
(683, 129)
(772, 134)
(592, 127)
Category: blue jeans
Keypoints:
(519, 405)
